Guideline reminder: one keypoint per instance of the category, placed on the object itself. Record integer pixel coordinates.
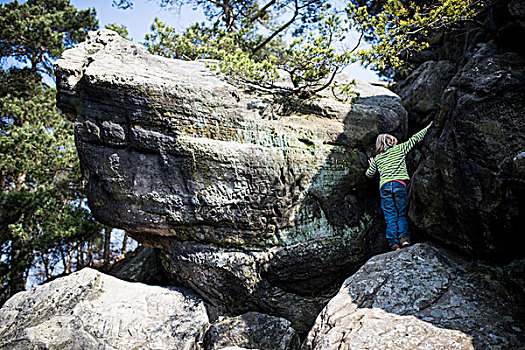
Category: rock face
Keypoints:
(420, 297)
(469, 192)
(257, 202)
(421, 91)
(250, 331)
(90, 310)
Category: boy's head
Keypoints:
(384, 140)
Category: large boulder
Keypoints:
(258, 202)
(469, 192)
(90, 310)
(421, 297)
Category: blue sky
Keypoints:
(138, 19)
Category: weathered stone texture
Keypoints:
(142, 265)
(90, 310)
(421, 297)
(189, 163)
(421, 92)
(469, 192)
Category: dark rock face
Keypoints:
(142, 265)
(250, 331)
(421, 91)
(257, 202)
(469, 192)
(509, 19)
(421, 297)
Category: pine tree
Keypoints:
(42, 208)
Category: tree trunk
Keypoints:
(20, 261)
(125, 243)
(45, 262)
(107, 245)
(80, 256)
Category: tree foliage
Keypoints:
(196, 42)
(37, 31)
(309, 63)
(122, 30)
(248, 17)
(397, 29)
(303, 67)
(250, 48)
(247, 37)
(42, 193)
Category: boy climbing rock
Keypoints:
(390, 162)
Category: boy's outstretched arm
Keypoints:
(372, 167)
(407, 146)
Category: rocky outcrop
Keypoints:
(258, 203)
(250, 331)
(421, 297)
(90, 310)
(469, 192)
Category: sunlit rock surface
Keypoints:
(91, 310)
(258, 202)
(421, 297)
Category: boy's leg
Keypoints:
(401, 202)
(390, 212)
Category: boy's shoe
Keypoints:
(395, 246)
(405, 241)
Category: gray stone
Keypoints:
(421, 92)
(515, 274)
(187, 162)
(469, 192)
(421, 297)
(90, 310)
(251, 330)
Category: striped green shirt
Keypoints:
(391, 163)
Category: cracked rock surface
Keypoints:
(91, 310)
(421, 297)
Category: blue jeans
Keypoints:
(394, 204)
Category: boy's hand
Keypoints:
(429, 125)
(370, 161)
